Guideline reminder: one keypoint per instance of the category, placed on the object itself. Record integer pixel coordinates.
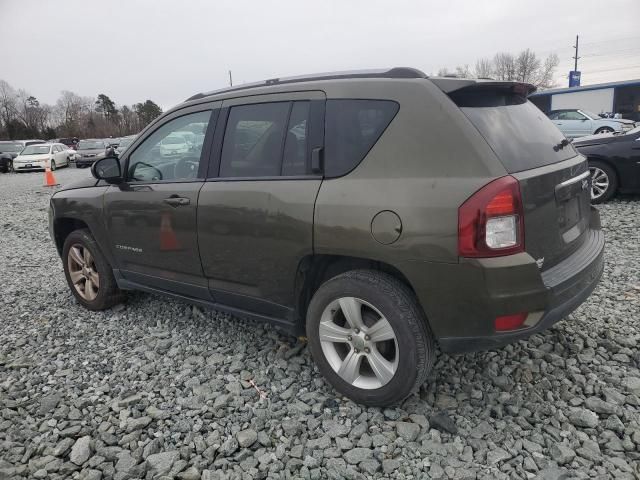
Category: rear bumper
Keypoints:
(462, 300)
(567, 284)
(565, 296)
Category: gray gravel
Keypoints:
(160, 389)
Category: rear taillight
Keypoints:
(491, 222)
(510, 322)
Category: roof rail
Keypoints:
(397, 72)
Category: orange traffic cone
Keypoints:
(49, 178)
(168, 240)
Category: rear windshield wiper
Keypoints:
(561, 145)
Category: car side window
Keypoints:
(573, 116)
(352, 127)
(554, 116)
(253, 140)
(170, 153)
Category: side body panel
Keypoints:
(427, 162)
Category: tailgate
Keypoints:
(556, 204)
(553, 177)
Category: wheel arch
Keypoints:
(62, 227)
(313, 270)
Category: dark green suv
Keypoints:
(377, 213)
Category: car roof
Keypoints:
(397, 72)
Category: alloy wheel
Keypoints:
(599, 182)
(359, 343)
(83, 272)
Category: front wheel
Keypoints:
(604, 130)
(604, 182)
(88, 272)
(369, 337)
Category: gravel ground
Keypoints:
(159, 389)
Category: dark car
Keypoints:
(339, 207)
(10, 149)
(71, 142)
(614, 162)
(89, 151)
(8, 152)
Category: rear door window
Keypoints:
(266, 140)
(352, 127)
(519, 133)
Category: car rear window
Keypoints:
(352, 127)
(519, 133)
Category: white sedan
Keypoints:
(41, 155)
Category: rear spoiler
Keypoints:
(448, 85)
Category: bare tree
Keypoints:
(483, 68)
(8, 105)
(69, 111)
(504, 66)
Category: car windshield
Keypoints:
(36, 150)
(89, 145)
(11, 147)
(173, 141)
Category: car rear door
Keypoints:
(255, 212)
(151, 216)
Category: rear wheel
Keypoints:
(604, 181)
(53, 165)
(604, 130)
(88, 272)
(369, 337)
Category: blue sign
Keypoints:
(574, 78)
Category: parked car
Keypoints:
(614, 163)
(124, 143)
(376, 229)
(39, 156)
(71, 142)
(89, 151)
(10, 149)
(578, 123)
(112, 142)
(174, 145)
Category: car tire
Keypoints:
(604, 181)
(370, 372)
(53, 165)
(88, 273)
(604, 130)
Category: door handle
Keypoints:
(177, 201)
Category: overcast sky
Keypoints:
(167, 50)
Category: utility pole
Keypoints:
(576, 57)
(231, 79)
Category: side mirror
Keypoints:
(107, 169)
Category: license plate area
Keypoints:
(573, 204)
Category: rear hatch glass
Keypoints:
(553, 178)
(520, 134)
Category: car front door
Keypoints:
(255, 213)
(151, 216)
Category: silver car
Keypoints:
(578, 123)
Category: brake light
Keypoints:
(510, 322)
(491, 221)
